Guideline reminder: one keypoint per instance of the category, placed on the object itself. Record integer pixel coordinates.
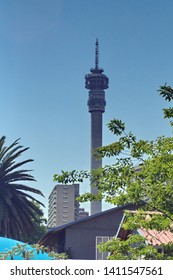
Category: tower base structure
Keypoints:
(96, 141)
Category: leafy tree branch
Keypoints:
(141, 174)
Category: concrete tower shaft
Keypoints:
(96, 82)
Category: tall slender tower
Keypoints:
(96, 82)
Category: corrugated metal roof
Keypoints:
(155, 237)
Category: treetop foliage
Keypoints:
(142, 174)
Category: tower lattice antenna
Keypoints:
(97, 55)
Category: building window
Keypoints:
(101, 255)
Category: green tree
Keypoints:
(142, 175)
(39, 228)
(29, 252)
(17, 210)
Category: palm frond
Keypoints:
(17, 210)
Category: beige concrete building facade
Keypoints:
(62, 205)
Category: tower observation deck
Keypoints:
(96, 82)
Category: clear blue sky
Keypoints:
(47, 47)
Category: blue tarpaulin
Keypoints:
(8, 243)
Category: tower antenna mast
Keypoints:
(97, 55)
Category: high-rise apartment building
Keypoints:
(83, 213)
(62, 205)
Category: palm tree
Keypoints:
(17, 210)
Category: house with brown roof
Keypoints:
(152, 236)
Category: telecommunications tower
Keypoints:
(96, 82)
